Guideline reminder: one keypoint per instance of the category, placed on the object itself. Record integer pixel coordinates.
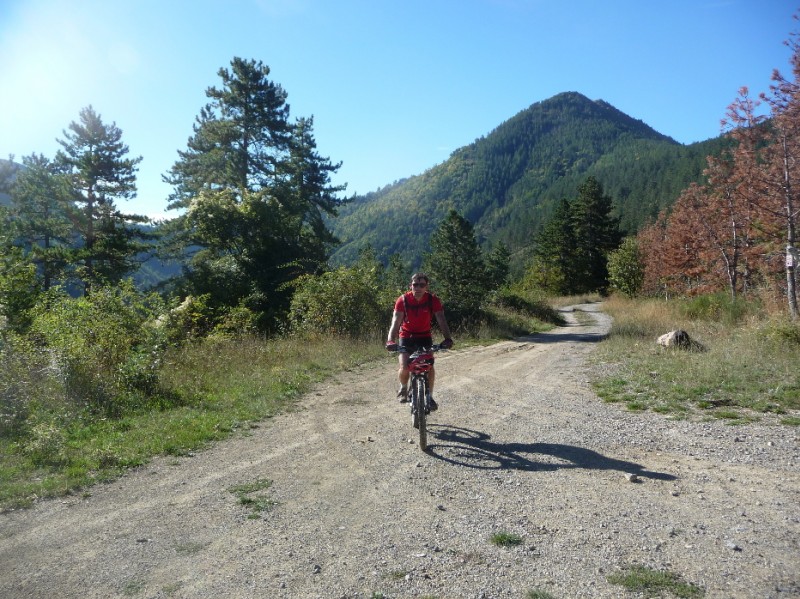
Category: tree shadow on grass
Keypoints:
(474, 449)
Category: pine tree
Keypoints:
(255, 192)
(553, 265)
(456, 267)
(497, 266)
(596, 234)
(94, 159)
(41, 215)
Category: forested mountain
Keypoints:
(508, 182)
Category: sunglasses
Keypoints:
(419, 284)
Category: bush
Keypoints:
(22, 381)
(105, 347)
(717, 307)
(626, 269)
(345, 301)
(783, 331)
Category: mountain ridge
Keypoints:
(507, 181)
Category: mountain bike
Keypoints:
(419, 365)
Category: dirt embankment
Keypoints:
(520, 445)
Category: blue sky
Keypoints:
(394, 87)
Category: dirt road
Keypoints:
(519, 446)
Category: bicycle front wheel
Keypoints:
(420, 393)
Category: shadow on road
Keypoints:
(476, 450)
(563, 337)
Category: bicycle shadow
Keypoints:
(465, 447)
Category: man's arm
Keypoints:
(440, 318)
(397, 320)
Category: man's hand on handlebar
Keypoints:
(391, 346)
(446, 344)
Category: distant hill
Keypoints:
(507, 183)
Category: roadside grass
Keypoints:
(744, 365)
(224, 386)
(510, 316)
(572, 300)
(653, 583)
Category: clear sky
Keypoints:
(394, 86)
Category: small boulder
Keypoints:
(677, 338)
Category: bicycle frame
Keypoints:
(420, 364)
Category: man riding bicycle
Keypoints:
(413, 315)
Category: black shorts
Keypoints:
(415, 343)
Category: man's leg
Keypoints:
(403, 375)
(431, 378)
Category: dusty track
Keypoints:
(520, 445)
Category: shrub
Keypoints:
(104, 346)
(717, 307)
(626, 269)
(345, 301)
(783, 331)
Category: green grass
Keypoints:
(653, 583)
(224, 387)
(505, 539)
(746, 369)
(250, 496)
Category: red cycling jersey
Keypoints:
(417, 314)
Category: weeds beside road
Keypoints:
(748, 368)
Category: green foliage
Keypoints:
(783, 331)
(571, 251)
(625, 268)
(553, 266)
(524, 304)
(255, 193)
(250, 495)
(41, 216)
(498, 266)
(104, 347)
(719, 307)
(596, 234)
(456, 268)
(93, 157)
(19, 289)
(506, 539)
(347, 301)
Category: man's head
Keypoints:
(419, 283)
